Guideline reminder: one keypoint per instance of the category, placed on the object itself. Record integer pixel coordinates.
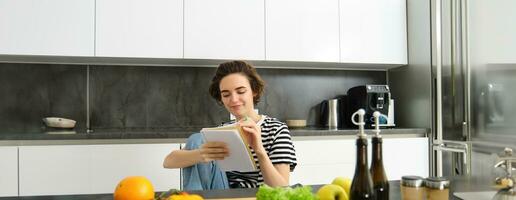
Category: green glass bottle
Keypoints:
(380, 182)
(362, 185)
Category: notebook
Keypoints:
(240, 157)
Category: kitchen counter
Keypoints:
(176, 136)
(209, 194)
(458, 184)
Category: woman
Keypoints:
(238, 87)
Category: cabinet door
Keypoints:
(92, 169)
(405, 156)
(54, 170)
(320, 161)
(224, 29)
(373, 31)
(8, 171)
(111, 163)
(52, 27)
(302, 30)
(139, 28)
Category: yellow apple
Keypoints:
(332, 192)
(343, 182)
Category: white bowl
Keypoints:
(296, 123)
(57, 122)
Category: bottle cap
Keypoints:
(376, 116)
(412, 181)
(360, 112)
(437, 183)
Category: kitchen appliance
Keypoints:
(373, 98)
(458, 82)
(333, 113)
(330, 113)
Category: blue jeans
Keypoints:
(202, 176)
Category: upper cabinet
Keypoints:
(350, 32)
(52, 27)
(373, 31)
(139, 28)
(302, 30)
(224, 29)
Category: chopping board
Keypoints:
(246, 198)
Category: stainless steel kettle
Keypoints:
(330, 113)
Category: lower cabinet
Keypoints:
(405, 156)
(320, 161)
(114, 162)
(92, 169)
(8, 171)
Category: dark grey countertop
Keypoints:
(394, 193)
(182, 133)
(457, 184)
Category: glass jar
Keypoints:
(437, 188)
(412, 188)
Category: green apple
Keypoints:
(332, 192)
(343, 182)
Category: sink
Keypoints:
(485, 195)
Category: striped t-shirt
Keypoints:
(278, 144)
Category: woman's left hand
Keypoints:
(253, 134)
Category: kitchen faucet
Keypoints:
(455, 147)
(505, 162)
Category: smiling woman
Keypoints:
(238, 87)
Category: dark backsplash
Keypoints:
(135, 97)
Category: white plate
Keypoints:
(57, 122)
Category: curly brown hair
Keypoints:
(241, 67)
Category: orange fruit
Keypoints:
(134, 188)
(185, 197)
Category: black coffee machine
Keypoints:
(371, 98)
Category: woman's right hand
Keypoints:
(211, 151)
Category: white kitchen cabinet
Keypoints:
(111, 163)
(52, 27)
(224, 29)
(49, 170)
(405, 156)
(373, 31)
(92, 169)
(139, 28)
(8, 171)
(302, 30)
(320, 161)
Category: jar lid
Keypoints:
(437, 183)
(412, 181)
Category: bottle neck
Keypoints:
(361, 154)
(377, 150)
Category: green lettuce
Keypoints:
(266, 192)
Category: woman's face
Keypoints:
(237, 95)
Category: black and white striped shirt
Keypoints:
(278, 144)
